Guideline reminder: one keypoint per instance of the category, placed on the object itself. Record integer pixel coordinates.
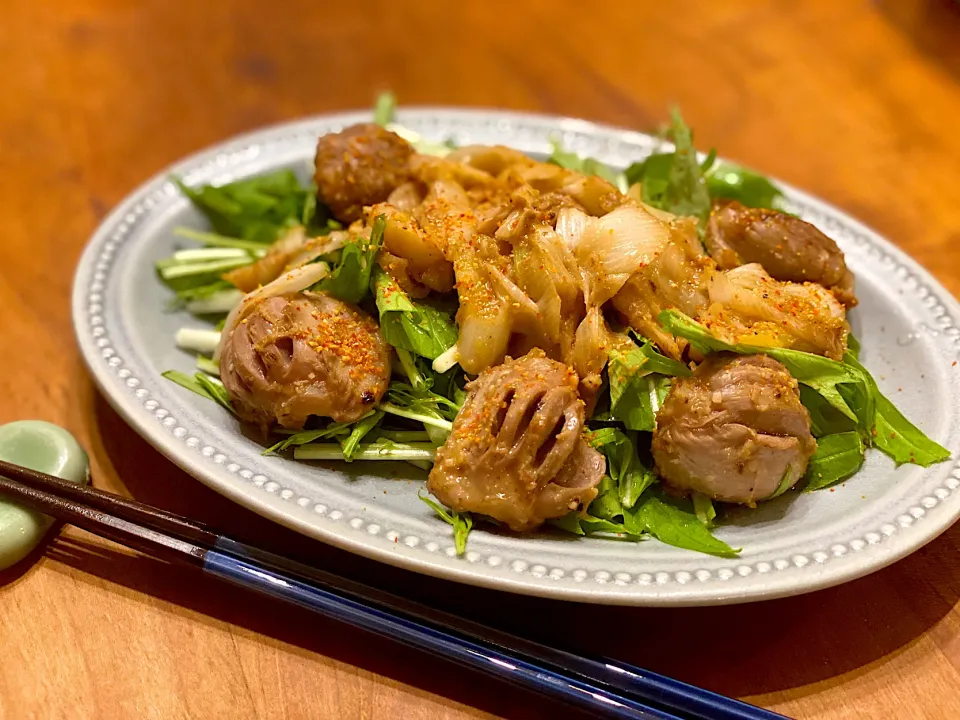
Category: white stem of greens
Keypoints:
(409, 367)
(703, 508)
(447, 360)
(427, 147)
(410, 415)
(202, 341)
(422, 464)
(424, 147)
(409, 135)
(436, 433)
(195, 255)
(219, 302)
(215, 240)
(438, 436)
(372, 451)
(187, 269)
(654, 400)
(205, 364)
(405, 436)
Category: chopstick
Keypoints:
(606, 688)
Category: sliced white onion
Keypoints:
(615, 246)
(219, 302)
(571, 224)
(447, 359)
(483, 340)
(658, 213)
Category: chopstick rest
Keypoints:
(47, 448)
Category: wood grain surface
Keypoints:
(855, 101)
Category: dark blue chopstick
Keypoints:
(479, 656)
(672, 696)
(606, 688)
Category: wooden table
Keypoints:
(856, 101)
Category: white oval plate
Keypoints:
(795, 544)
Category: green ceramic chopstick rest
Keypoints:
(40, 446)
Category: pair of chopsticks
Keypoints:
(605, 688)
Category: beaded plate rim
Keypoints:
(158, 416)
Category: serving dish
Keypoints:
(796, 543)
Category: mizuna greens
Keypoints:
(415, 327)
(248, 218)
(350, 279)
(846, 386)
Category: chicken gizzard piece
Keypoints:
(735, 430)
(291, 356)
(787, 247)
(517, 452)
(359, 166)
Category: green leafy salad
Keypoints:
(671, 397)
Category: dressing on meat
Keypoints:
(734, 431)
(748, 306)
(360, 166)
(787, 247)
(291, 356)
(516, 452)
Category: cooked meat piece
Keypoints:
(492, 159)
(444, 208)
(548, 207)
(290, 251)
(270, 266)
(399, 269)
(593, 193)
(511, 303)
(748, 306)
(488, 299)
(404, 238)
(787, 247)
(406, 197)
(511, 215)
(734, 431)
(291, 356)
(504, 211)
(428, 169)
(515, 170)
(593, 342)
(645, 265)
(516, 452)
(546, 271)
(360, 166)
